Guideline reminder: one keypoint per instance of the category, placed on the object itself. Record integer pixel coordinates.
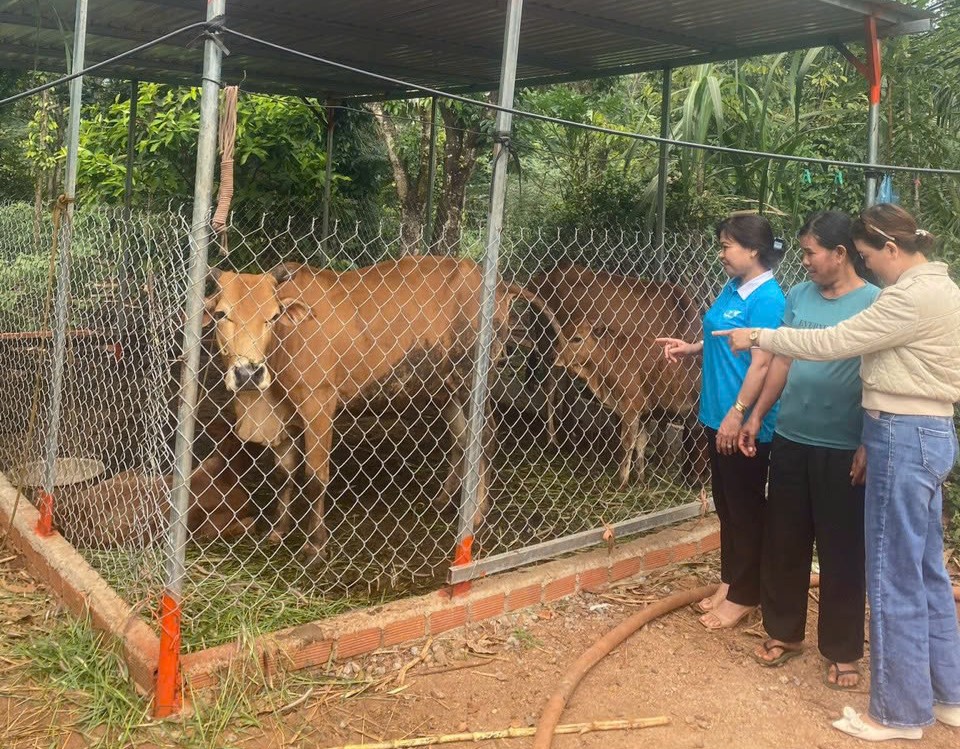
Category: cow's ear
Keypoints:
(293, 310)
(285, 271)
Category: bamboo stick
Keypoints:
(513, 733)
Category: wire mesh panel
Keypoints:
(334, 397)
(114, 455)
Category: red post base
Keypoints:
(168, 697)
(45, 508)
(463, 554)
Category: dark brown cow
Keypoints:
(129, 510)
(308, 341)
(610, 323)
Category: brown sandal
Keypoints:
(788, 653)
(839, 673)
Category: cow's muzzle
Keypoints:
(247, 376)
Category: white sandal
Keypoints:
(947, 714)
(852, 724)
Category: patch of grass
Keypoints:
(89, 678)
(72, 681)
(526, 638)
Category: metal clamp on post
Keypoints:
(212, 30)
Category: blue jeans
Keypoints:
(914, 638)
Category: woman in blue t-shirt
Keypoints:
(731, 384)
(816, 465)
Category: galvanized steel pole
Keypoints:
(61, 305)
(328, 177)
(873, 141)
(168, 697)
(431, 178)
(498, 190)
(125, 269)
(872, 44)
(131, 145)
(664, 157)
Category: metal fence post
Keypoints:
(872, 44)
(328, 176)
(431, 177)
(168, 692)
(498, 189)
(126, 269)
(61, 306)
(664, 168)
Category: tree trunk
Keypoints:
(460, 152)
(411, 187)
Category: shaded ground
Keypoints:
(493, 675)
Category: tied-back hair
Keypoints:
(753, 231)
(833, 229)
(888, 222)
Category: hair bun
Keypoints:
(924, 241)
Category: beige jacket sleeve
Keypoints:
(889, 322)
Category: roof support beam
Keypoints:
(49, 23)
(393, 36)
(870, 9)
(633, 31)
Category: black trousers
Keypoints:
(811, 500)
(739, 494)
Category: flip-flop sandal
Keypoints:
(840, 672)
(785, 656)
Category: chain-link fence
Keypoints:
(328, 457)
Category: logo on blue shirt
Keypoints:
(732, 313)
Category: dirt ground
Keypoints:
(494, 675)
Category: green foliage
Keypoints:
(609, 202)
(951, 510)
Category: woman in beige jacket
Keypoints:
(909, 341)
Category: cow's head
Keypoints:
(576, 348)
(248, 311)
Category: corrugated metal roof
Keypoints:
(447, 44)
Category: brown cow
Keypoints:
(311, 341)
(609, 323)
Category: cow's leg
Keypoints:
(288, 458)
(629, 428)
(550, 396)
(318, 438)
(455, 417)
(640, 450)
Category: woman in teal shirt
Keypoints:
(731, 384)
(816, 465)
